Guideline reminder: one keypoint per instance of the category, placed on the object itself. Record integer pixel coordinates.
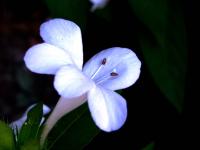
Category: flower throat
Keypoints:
(112, 75)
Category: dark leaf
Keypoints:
(150, 146)
(30, 128)
(105, 13)
(163, 43)
(74, 10)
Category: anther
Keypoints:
(103, 61)
(100, 67)
(114, 74)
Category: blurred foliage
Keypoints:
(24, 79)
(74, 10)
(6, 137)
(164, 45)
(150, 146)
(105, 13)
(73, 131)
(31, 145)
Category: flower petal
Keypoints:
(66, 35)
(46, 59)
(46, 109)
(108, 108)
(122, 61)
(98, 4)
(71, 82)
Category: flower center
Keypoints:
(111, 75)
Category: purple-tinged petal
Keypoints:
(71, 82)
(64, 34)
(108, 109)
(46, 59)
(114, 68)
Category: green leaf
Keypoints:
(6, 137)
(163, 42)
(30, 128)
(31, 145)
(74, 10)
(73, 131)
(150, 146)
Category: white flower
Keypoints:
(111, 69)
(18, 123)
(98, 4)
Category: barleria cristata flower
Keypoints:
(62, 55)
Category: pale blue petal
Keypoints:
(66, 35)
(46, 109)
(98, 4)
(71, 82)
(46, 59)
(122, 61)
(108, 109)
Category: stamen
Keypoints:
(114, 74)
(102, 79)
(102, 64)
(107, 77)
(103, 61)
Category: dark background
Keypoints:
(151, 118)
